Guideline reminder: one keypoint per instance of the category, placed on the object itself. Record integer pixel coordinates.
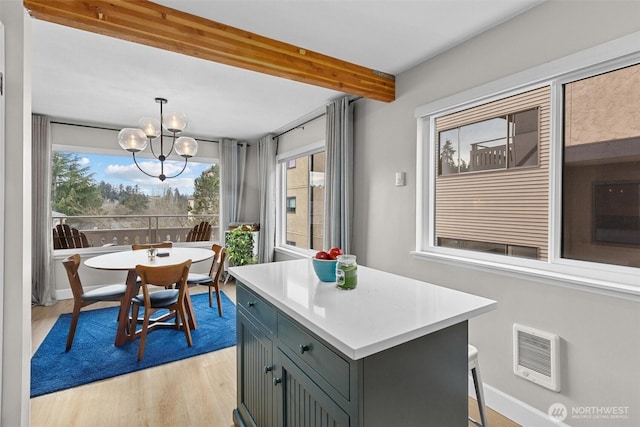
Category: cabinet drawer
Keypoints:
(327, 364)
(256, 308)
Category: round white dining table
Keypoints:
(128, 260)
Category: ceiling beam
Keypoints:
(151, 24)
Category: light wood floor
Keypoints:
(199, 391)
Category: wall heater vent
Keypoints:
(536, 356)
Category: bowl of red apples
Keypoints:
(324, 264)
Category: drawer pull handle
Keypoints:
(251, 304)
(277, 381)
(268, 369)
(303, 348)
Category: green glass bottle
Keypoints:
(346, 272)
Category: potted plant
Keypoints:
(239, 242)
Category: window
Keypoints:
(484, 145)
(291, 204)
(601, 169)
(499, 210)
(542, 178)
(111, 202)
(302, 195)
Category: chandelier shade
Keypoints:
(151, 131)
(132, 140)
(175, 122)
(186, 147)
(150, 126)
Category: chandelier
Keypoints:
(151, 131)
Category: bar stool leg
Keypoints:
(477, 383)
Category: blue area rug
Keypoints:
(93, 356)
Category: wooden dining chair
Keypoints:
(161, 245)
(82, 298)
(170, 298)
(212, 280)
(200, 232)
(65, 237)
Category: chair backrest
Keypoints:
(200, 233)
(72, 264)
(216, 248)
(220, 269)
(161, 245)
(164, 276)
(66, 237)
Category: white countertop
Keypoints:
(383, 311)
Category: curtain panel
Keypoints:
(267, 148)
(338, 203)
(233, 158)
(42, 292)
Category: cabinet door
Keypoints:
(255, 374)
(301, 402)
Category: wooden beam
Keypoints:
(148, 23)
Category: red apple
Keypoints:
(334, 252)
(322, 255)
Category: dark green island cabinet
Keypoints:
(310, 354)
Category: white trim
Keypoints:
(281, 215)
(420, 174)
(2, 211)
(286, 250)
(613, 280)
(514, 409)
(555, 173)
(549, 275)
(121, 153)
(306, 150)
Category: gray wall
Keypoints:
(600, 334)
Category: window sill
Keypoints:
(549, 274)
(294, 253)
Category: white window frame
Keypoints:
(601, 278)
(282, 161)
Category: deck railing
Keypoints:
(114, 230)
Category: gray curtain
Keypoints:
(338, 196)
(233, 158)
(42, 292)
(267, 148)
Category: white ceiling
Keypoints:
(85, 77)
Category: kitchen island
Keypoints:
(392, 352)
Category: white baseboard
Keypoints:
(514, 409)
(64, 294)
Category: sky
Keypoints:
(117, 170)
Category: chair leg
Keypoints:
(133, 321)
(477, 382)
(143, 334)
(74, 322)
(218, 300)
(182, 312)
(210, 298)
